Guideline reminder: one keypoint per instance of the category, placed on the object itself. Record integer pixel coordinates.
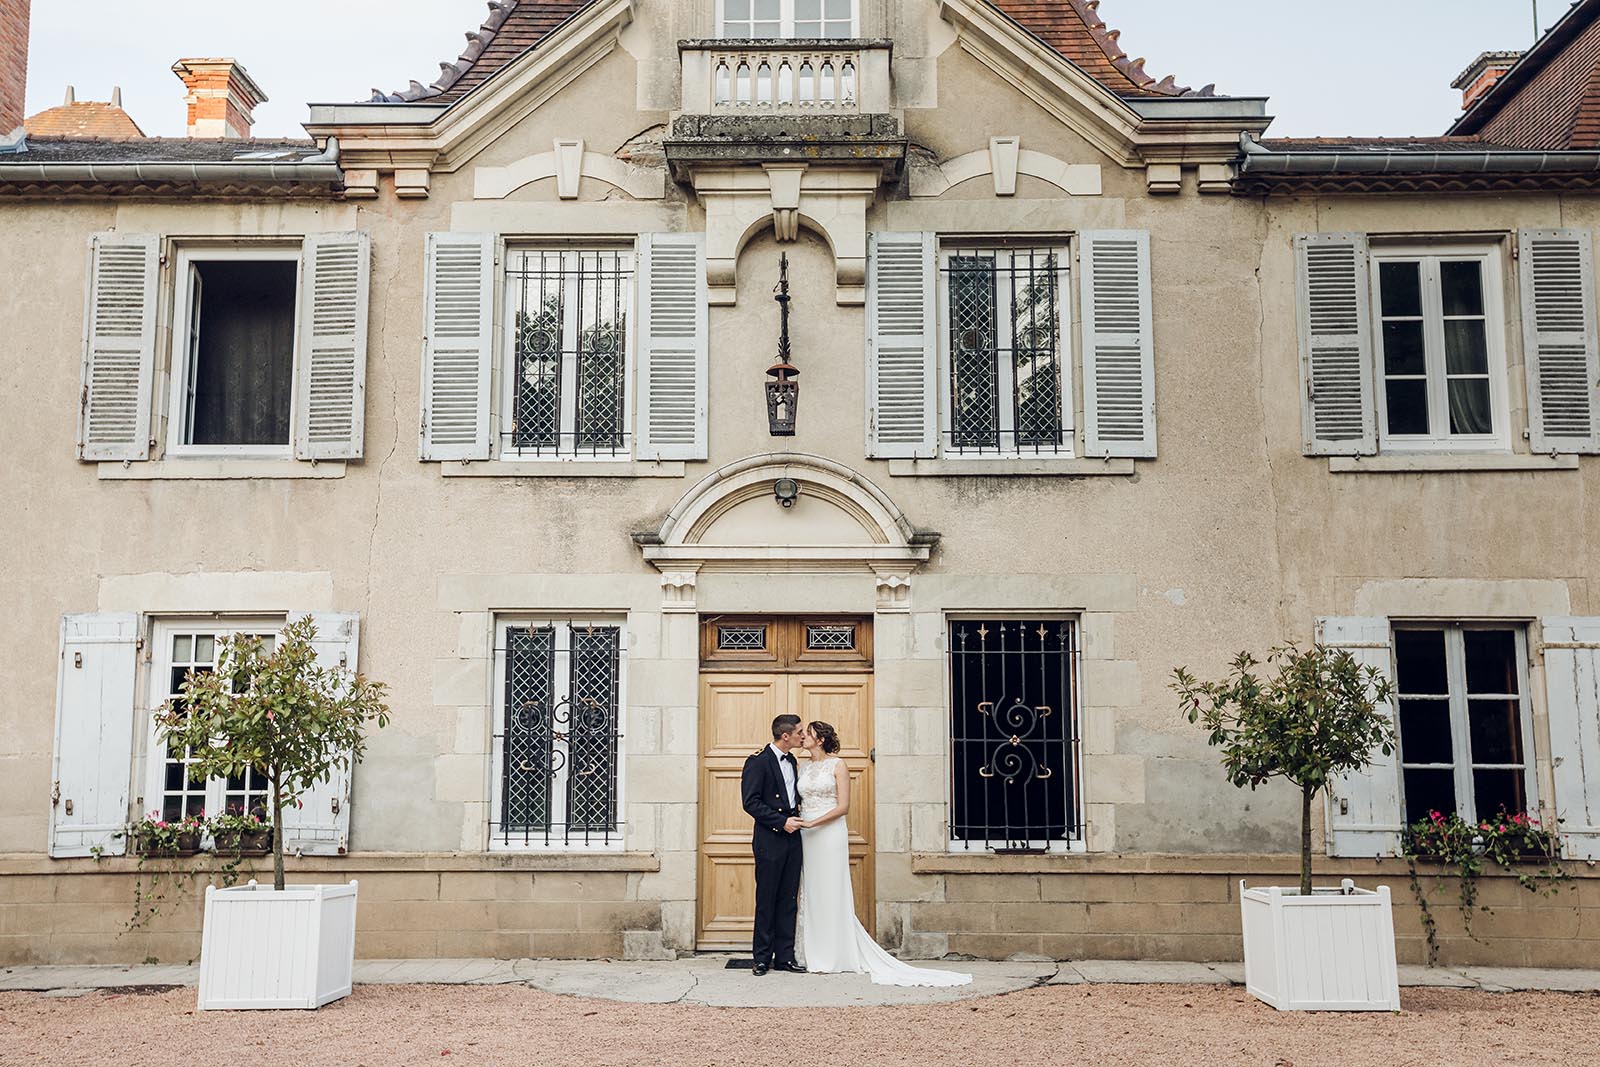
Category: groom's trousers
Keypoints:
(777, 898)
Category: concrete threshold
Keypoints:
(707, 979)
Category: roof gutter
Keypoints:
(1261, 160)
(320, 168)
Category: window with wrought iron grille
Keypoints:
(558, 737)
(1014, 746)
(1466, 732)
(565, 393)
(179, 649)
(1005, 356)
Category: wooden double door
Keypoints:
(739, 697)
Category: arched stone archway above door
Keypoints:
(839, 523)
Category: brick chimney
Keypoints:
(222, 97)
(1487, 69)
(13, 62)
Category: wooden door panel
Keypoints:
(736, 712)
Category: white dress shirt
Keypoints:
(788, 775)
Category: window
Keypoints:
(566, 392)
(788, 19)
(1004, 354)
(1440, 370)
(1014, 736)
(558, 738)
(181, 648)
(234, 351)
(1465, 735)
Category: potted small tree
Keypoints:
(1317, 715)
(293, 721)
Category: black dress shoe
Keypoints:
(791, 966)
(759, 969)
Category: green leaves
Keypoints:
(1319, 714)
(279, 712)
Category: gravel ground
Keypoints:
(1099, 1026)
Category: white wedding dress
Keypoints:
(831, 938)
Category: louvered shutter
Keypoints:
(1364, 816)
(94, 734)
(1338, 417)
(320, 824)
(331, 365)
(119, 346)
(1572, 692)
(1119, 386)
(673, 347)
(1559, 342)
(458, 349)
(902, 364)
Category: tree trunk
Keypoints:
(277, 835)
(1306, 792)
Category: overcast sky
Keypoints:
(1376, 67)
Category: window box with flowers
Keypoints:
(1514, 842)
(241, 833)
(156, 837)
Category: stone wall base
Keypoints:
(410, 907)
(1187, 908)
(591, 907)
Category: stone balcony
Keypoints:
(785, 101)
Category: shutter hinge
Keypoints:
(334, 804)
(872, 754)
(77, 659)
(1516, 251)
(1344, 806)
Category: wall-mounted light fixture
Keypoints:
(787, 491)
(783, 391)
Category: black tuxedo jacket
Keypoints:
(766, 799)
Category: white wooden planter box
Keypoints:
(262, 948)
(1331, 951)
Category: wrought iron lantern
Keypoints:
(783, 390)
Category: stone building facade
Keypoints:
(1094, 382)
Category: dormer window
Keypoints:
(787, 19)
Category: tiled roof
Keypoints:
(87, 118)
(160, 150)
(1074, 28)
(1550, 100)
(1381, 144)
(1071, 27)
(513, 27)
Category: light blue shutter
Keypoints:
(458, 348)
(94, 734)
(331, 363)
(320, 824)
(902, 364)
(1364, 815)
(1572, 692)
(119, 347)
(1560, 353)
(673, 347)
(1338, 417)
(1119, 374)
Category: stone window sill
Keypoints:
(1258, 868)
(513, 468)
(218, 469)
(1031, 468)
(355, 863)
(1401, 463)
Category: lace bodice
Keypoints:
(819, 791)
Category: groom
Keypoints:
(773, 801)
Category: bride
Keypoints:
(831, 937)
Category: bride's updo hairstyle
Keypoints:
(827, 735)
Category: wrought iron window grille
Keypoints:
(742, 638)
(1015, 783)
(559, 742)
(1007, 370)
(831, 637)
(568, 313)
